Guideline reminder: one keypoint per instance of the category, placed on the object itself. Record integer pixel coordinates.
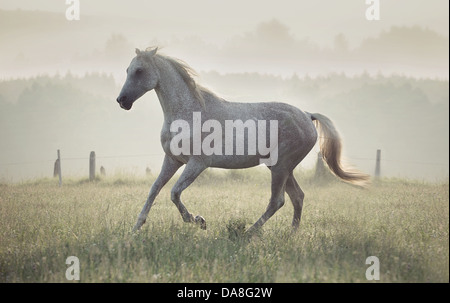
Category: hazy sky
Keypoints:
(208, 18)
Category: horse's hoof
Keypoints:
(135, 229)
(139, 224)
(201, 221)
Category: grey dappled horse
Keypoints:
(180, 97)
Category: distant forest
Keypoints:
(405, 117)
(36, 42)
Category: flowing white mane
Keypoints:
(187, 74)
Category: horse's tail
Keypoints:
(331, 147)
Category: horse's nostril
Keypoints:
(121, 99)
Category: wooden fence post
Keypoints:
(59, 168)
(92, 166)
(56, 169)
(377, 164)
(320, 168)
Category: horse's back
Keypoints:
(296, 132)
(255, 110)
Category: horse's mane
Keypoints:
(187, 74)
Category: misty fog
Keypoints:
(384, 83)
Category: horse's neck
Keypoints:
(175, 97)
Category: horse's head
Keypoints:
(142, 76)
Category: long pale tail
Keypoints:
(331, 147)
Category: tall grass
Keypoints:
(404, 223)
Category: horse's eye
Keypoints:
(138, 71)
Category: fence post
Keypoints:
(92, 166)
(320, 168)
(377, 164)
(56, 169)
(59, 168)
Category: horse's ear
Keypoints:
(153, 51)
(138, 52)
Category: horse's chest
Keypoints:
(166, 137)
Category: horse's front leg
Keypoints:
(194, 168)
(169, 168)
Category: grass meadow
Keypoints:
(403, 223)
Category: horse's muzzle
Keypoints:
(124, 102)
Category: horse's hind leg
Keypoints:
(276, 199)
(296, 194)
(191, 172)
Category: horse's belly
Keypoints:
(233, 161)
